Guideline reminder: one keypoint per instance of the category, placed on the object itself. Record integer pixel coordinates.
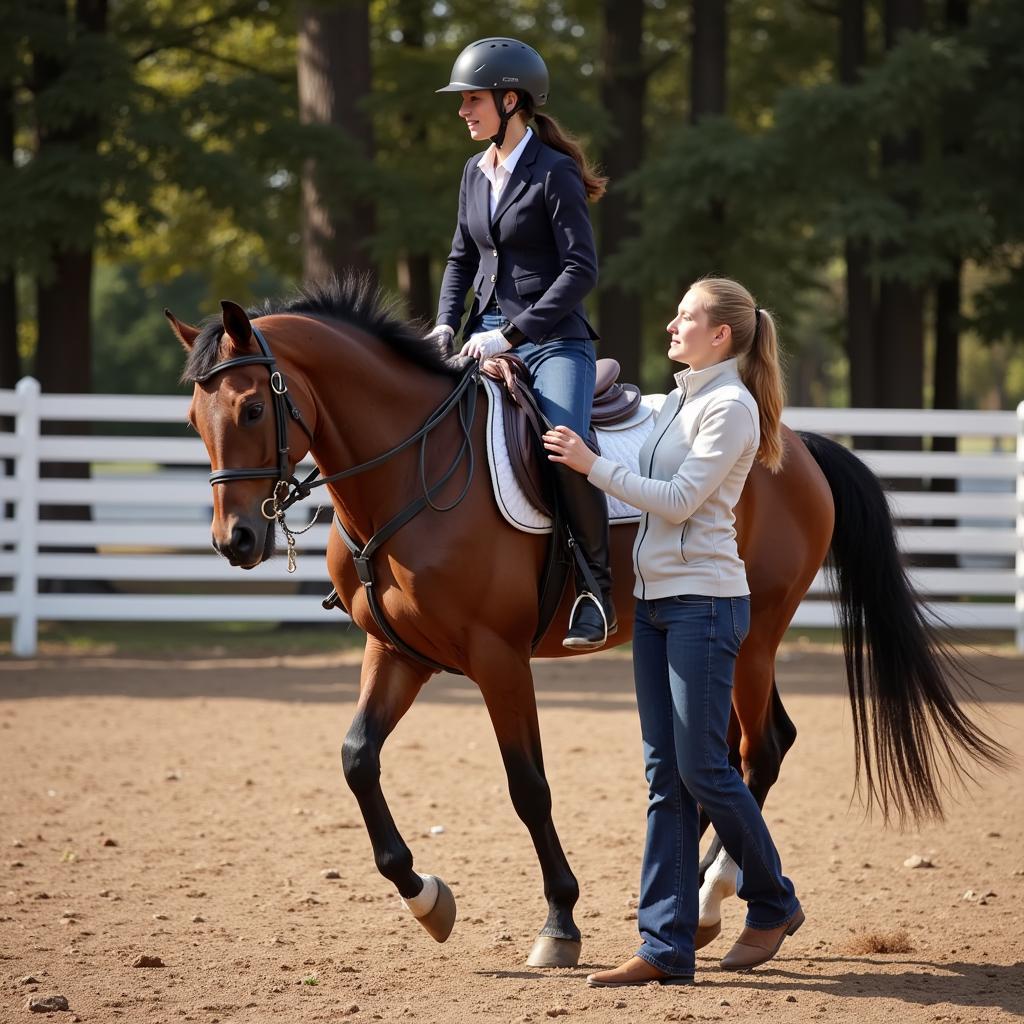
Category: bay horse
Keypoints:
(337, 374)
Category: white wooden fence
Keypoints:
(148, 536)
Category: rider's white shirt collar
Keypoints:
(498, 171)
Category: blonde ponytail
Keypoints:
(761, 372)
(755, 344)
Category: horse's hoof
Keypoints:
(440, 919)
(551, 952)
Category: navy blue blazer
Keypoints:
(536, 254)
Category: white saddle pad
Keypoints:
(620, 443)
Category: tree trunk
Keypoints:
(709, 61)
(63, 295)
(414, 275)
(63, 362)
(948, 298)
(900, 369)
(946, 374)
(947, 341)
(415, 282)
(901, 333)
(623, 94)
(946, 393)
(10, 362)
(708, 58)
(861, 343)
(860, 338)
(334, 78)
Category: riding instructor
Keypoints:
(524, 243)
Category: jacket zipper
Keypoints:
(650, 467)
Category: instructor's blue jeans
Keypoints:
(563, 374)
(684, 652)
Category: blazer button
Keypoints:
(494, 252)
(493, 278)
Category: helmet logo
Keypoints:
(506, 79)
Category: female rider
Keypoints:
(524, 244)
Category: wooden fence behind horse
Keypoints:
(138, 543)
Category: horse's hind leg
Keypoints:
(511, 704)
(387, 688)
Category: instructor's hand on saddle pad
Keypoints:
(486, 344)
(569, 448)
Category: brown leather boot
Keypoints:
(757, 946)
(635, 971)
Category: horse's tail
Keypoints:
(904, 682)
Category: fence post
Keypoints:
(1020, 528)
(26, 586)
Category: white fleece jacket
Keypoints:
(692, 470)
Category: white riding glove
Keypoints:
(486, 344)
(442, 334)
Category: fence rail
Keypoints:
(144, 535)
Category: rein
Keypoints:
(288, 489)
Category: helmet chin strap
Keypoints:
(503, 115)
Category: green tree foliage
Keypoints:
(200, 151)
(787, 164)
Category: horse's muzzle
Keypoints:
(246, 548)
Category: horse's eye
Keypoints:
(253, 412)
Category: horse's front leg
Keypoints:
(388, 686)
(507, 687)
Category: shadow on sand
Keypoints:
(990, 986)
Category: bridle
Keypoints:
(288, 489)
(284, 410)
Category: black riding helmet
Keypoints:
(500, 64)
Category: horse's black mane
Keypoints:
(354, 299)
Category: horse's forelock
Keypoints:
(204, 354)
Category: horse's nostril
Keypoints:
(243, 541)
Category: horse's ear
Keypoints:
(236, 323)
(185, 333)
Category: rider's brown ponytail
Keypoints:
(755, 343)
(552, 134)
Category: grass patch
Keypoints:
(880, 942)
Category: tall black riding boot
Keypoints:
(586, 512)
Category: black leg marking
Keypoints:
(531, 797)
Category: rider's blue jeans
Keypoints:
(684, 652)
(563, 374)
